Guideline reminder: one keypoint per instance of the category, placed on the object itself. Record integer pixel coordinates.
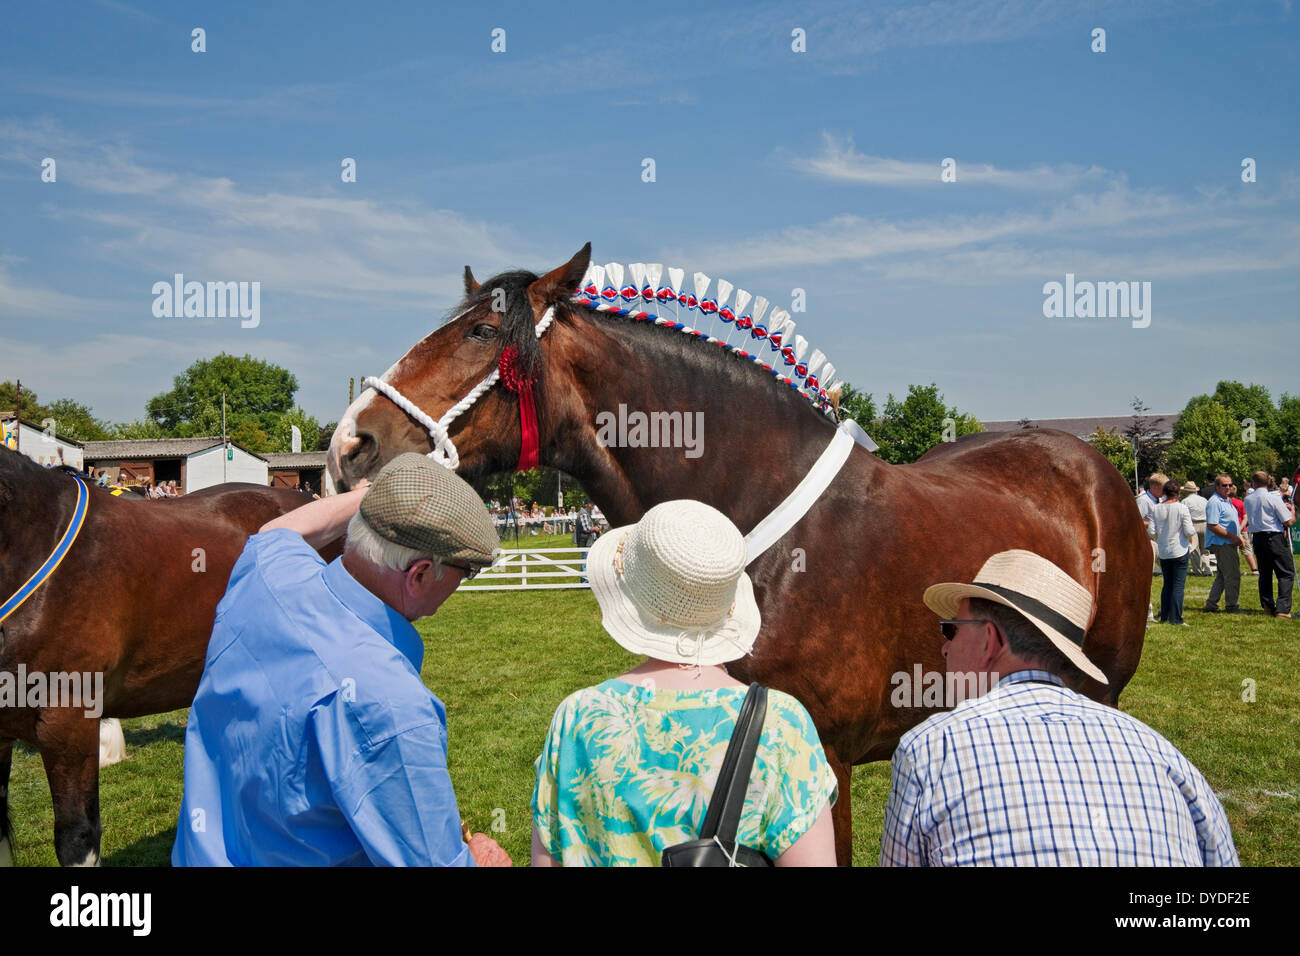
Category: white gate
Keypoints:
(532, 569)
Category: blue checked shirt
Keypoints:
(1033, 774)
(312, 740)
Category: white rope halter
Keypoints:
(444, 449)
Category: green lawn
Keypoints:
(502, 662)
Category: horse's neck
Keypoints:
(758, 437)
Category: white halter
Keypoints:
(444, 450)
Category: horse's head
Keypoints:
(445, 366)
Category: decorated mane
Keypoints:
(603, 289)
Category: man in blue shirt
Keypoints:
(1223, 538)
(312, 739)
(1270, 517)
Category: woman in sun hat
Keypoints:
(629, 766)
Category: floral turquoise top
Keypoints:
(627, 771)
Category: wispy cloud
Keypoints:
(839, 161)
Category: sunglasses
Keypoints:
(948, 628)
(470, 573)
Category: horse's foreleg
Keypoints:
(69, 745)
(842, 812)
(6, 831)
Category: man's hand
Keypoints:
(487, 852)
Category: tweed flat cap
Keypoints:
(419, 504)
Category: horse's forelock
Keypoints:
(518, 324)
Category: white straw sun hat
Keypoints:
(673, 586)
(1050, 599)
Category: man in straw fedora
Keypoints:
(1032, 773)
(312, 739)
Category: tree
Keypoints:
(323, 437)
(32, 409)
(1026, 423)
(76, 421)
(281, 435)
(1286, 434)
(1116, 448)
(910, 428)
(1143, 433)
(1207, 440)
(255, 391)
(138, 429)
(858, 406)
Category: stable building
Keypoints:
(304, 470)
(41, 446)
(193, 463)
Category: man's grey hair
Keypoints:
(365, 543)
(1025, 640)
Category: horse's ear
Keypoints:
(562, 282)
(471, 284)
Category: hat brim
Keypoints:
(640, 632)
(945, 599)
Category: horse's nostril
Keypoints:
(359, 454)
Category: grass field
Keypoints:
(501, 662)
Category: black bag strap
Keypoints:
(723, 817)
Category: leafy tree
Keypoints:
(249, 434)
(1207, 440)
(323, 437)
(858, 406)
(281, 435)
(1251, 402)
(1144, 433)
(76, 421)
(910, 428)
(256, 391)
(32, 409)
(1286, 434)
(138, 429)
(1116, 448)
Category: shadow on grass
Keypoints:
(153, 850)
(143, 736)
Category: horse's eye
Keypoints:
(484, 332)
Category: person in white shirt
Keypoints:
(1269, 517)
(1198, 562)
(1174, 536)
(1146, 502)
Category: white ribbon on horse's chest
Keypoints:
(796, 504)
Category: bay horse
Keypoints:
(840, 593)
(133, 599)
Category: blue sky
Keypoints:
(774, 169)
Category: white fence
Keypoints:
(532, 569)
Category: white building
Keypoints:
(192, 463)
(41, 446)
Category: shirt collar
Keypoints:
(1027, 676)
(390, 625)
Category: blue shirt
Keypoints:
(1265, 511)
(1219, 510)
(312, 739)
(1033, 774)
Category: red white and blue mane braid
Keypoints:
(603, 289)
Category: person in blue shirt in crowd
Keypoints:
(312, 739)
(1222, 536)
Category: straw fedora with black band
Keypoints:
(1046, 596)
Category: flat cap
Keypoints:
(419, 504)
